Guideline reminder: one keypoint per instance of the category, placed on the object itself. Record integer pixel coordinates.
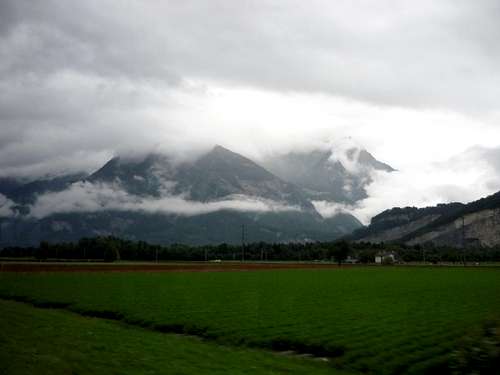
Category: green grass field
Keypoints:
(41, 341)
(380, 320)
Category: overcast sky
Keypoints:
(416, 83)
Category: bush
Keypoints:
(111, 253)
(479, 353)
(42, 253)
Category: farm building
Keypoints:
(385, 257)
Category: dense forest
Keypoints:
(112, 248)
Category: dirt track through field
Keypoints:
(184, 267)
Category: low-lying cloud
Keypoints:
(6, 207)
(88, 197)
(463, 178)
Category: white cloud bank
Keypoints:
(88, 197)
(464, 178)
(6, 207)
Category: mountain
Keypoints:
(336, 174)
(215, 175)
(209, 200)
(455, 224)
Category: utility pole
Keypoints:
(463, 239)
(243, 242)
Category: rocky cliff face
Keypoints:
(481, 228)
(399, 231)
(473, 224)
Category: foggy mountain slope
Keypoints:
(155, 199)
(222, 172)
(334, 175)
(215, 175)
(455, 224)
(143, 176)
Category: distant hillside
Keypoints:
(455, 224)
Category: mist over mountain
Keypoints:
(337, 175)
(206, 200)
(215, 175)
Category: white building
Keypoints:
(385, 258)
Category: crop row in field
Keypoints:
(385, 320)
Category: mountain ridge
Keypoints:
(455, 224)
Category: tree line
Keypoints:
(113, 248)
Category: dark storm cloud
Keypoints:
(96, 38)
(80, 80)
(428, 54)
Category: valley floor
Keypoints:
(384, 320)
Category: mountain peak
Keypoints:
(219, 148)
(367, 159)
(220, 152)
